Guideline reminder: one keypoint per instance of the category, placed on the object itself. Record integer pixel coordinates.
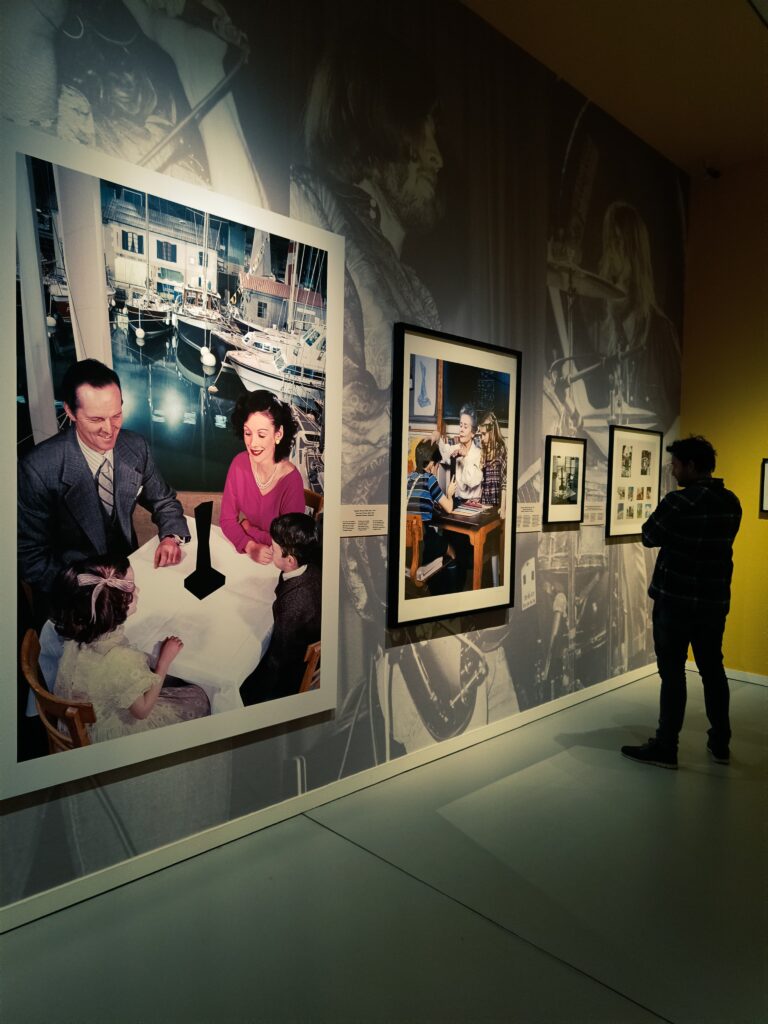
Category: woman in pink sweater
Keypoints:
(261, 483)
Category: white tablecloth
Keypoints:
(225, 635)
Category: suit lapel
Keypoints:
(127, 484)
(80, 495)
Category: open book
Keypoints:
(425, 571)
(471, 508)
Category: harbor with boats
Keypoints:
(200, 309)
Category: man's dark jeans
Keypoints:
(673, 631)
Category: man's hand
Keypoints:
(168, 552)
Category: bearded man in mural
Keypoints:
(372, 171)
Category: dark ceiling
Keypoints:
(690, 77)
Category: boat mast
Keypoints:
(147, 286)
(291, 269)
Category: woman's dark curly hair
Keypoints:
(72, 601)
(279, 412)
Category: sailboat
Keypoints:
(149, 315)
(199, 318)
(294, 369)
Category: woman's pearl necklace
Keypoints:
(269, 479)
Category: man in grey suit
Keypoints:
(78, 490)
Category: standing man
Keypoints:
(691, 588)
(78, 490)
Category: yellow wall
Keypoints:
(725, 376)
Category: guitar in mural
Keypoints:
(444, 699)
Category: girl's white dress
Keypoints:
(112, 674)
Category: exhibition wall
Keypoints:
(476, 194)
(725, 369)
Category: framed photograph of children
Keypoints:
(454, 468)
(564, 479)
(634, 479)
(764, 486)
(152, 382)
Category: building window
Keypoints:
(133, 242)
(166, 274)
(261, 310)
(166, 251)
(202, 259)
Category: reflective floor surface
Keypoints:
(537, 877)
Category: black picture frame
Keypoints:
(476, 540)
(634, 466)
(764, 486)
(564, 459)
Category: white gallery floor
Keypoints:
(538, 877)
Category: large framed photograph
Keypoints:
(764, 486)
(453, 491)
(634, 479)
(564, 479)
(223, 323)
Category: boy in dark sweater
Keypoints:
(296, 610)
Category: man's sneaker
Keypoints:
(719, 754)
(652, 753)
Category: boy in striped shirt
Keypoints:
(425, 495)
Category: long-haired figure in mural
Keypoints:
(616, 359)
(635, 336)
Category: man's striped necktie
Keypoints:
(105, 486)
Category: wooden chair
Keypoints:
(414, 534)
(311, 677)
(314, 502)
(74, 714)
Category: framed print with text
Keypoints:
(564, 479)
(634, 478)
(454, 467)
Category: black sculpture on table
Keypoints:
(205, 579)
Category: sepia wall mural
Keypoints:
(477, 194)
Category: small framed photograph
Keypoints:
(634, 479)
(422, 401)
(564, 479)
(764, 486)
(455, 421)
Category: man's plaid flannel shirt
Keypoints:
(695, 528)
